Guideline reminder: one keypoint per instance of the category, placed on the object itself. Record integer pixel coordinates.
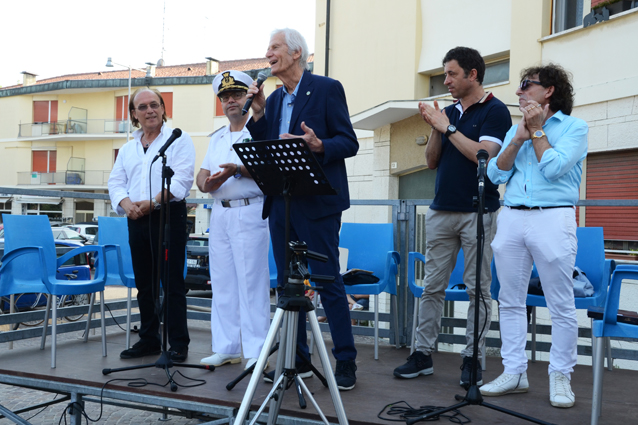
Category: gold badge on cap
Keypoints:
(227, 81)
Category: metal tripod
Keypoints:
(286, 373)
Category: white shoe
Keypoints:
(560, 390)
(506, 384)
(219, 359)
(252, 362)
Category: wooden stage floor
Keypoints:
(80, 365)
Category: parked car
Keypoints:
(68, 235)
(197, 274)
(88, 231)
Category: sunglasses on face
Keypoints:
(526, 83)
(153, 106)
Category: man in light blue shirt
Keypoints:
(541, 165)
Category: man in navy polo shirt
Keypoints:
(477, 120)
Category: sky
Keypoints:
(53, 38)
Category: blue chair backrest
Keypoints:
(24, 273)
(591, 253)
(368, 246)
(114, 231)
(590, 256)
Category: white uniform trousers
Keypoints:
(238, 249)
(546, 237)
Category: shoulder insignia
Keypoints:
(220, 128)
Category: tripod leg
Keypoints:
(270, 395)
(302, 385)
(242, 413)
(289, 351)
(327, 368)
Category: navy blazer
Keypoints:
(321, 104)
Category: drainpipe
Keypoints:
(327, 38)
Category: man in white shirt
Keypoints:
(139, 199)
(238, 238)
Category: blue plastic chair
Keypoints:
(606, 328)
(590, 257)
(453, 292)
(371, 247)
(30, 264)
(113, 236)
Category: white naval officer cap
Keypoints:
(231, 80)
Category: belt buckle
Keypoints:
(225, 203)
(244, 201)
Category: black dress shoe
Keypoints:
(179, 355)
(303, 371)
(141, 349)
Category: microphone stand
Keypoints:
(161, 309)
(473, 395)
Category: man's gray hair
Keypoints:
(296, 43)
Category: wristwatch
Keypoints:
(156, 205)
(538, 134)
(451, 129)
(238, 172)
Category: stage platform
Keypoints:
(79, 373)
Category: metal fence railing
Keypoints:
(91, 178)
(93, 126)
(409, 236)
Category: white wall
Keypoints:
(481, 24)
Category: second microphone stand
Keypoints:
(473, 395)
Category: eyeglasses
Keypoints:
(235, 95)
(154, 106)
(526, 83)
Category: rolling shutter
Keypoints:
(613, 175)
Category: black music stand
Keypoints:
(287, 167)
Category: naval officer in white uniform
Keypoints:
(238, 236)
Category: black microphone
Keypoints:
(177, 133)
(482, 156)
(261, 77)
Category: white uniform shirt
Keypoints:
(220, 151)
(129, 177)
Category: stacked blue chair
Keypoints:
(609, 327)
(371, 247)
(29, 266)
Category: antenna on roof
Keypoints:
(163, 31)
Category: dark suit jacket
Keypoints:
(321, 104)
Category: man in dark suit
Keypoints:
(315, 109)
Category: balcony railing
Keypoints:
(74, 127)
(89, 178)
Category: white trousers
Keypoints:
(238, 259)
(546, 237)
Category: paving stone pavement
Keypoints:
(16, 398)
